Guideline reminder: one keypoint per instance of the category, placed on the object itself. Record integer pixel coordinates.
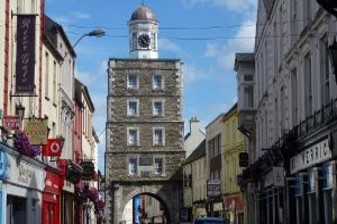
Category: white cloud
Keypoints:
(193, 73)
(80, 15)
(168, 45)
(243, 41)
(233, 5)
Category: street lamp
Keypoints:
(333, 57)
(20, 111)
(94, 33)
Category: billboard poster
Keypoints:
(25, 55)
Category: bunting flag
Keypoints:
(53, 147)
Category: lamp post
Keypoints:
(94, 33)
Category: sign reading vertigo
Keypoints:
(25, 55)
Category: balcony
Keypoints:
(246, 121)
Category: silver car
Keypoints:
(209, 220)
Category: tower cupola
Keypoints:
(143, 33)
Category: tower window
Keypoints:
(132, 81)
(158, 82)
(133, 136)
(133, 108)
(159, 165)
(132, 166)
(158, 108)
(158, 136)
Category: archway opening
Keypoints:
(145, 208)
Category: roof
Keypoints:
(198, 152)
(51, 30)
(143, 13)
(230, 111)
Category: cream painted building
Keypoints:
(195, 179)
(215, 133)
(234, 144)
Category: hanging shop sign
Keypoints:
(315, 154)
(11, 123)
(36, 130)
(213, 188)
(275, 177)
(25, 55)
(53, 147)
(88, 170)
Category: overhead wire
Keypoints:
(182, 38)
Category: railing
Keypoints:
(317, 120)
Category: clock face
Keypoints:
(144, 40)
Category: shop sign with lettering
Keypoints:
(25, 55)
(36, 130)
(315, 154)
(11, 123)
(88, 170)
(213, 188)
(25, 174)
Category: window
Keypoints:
(294, 97)
(132, 166)
(132, 108)
(133, 81)
(308, 85)
(276, 119)
(133, 136)
(158, 108)
(46, 75)
(158, 165)
(324, 71)
(158, 136)
(133, 41)
(249, 97)
(54, 84)
(158, 82)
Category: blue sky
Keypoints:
(204, 34)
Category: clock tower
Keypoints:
(143, 34)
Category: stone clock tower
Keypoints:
(143, 34)
(144, 129)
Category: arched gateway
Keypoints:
(144, 149)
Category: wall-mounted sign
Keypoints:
(36, 130)
(315, 154)
(25, 55)
(88, 170)
(11, 123)
(213, 188)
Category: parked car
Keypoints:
(209, 220)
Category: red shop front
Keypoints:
(51, 196)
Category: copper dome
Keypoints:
(143, 13)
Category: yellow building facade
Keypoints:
(234, 144)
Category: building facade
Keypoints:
(195, 183)
(37, 111)
(234, 144)
(291, 175)
(144, 150)
(215, 133)
(194, 137)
